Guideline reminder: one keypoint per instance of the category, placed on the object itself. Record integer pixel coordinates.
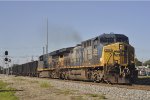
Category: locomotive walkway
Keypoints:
(52, 89)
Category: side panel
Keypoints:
(40, 65)
(77, 56)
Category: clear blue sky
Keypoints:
(23, 25)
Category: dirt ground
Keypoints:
(41, 89)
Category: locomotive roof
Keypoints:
(110, 35)
(57, 52)
(63, 50)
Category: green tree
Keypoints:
(147, 63)
(137, 62)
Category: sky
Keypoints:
(23, 25)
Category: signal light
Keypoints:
(6, 59)
(6, 52)
(9, 60)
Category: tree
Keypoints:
(147, 63)
(137, 62)
(1, 69)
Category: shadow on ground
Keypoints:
(9, 90)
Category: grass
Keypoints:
(93, 95)
(77, 98)
(63, 92)
(67, 92)
(6, 93)
(97, 96)
(2, 85)
(102, 97)
(19, 79)
(33, 81)
(45, 85)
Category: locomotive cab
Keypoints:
(118, 62)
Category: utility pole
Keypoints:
(32, 59)
(43, 50)
(47, 38)
(47, 44)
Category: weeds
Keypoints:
(77, 98)
(97, 96)
(45, 85)
(7, 93)
(33, 81)
(63, 92)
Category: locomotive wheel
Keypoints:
(95, 78)
(65, 77)
(62, 76)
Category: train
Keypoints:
(26, 69)
(106, 58)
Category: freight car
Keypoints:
(108, 57)
(27, 69)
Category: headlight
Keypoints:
(121, 47)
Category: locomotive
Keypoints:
(105, 58)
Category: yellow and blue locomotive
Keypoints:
(108, 58)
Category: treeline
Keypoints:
(139, 63)
(1, 69)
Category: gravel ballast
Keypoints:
(114, 93)
(111, 93)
